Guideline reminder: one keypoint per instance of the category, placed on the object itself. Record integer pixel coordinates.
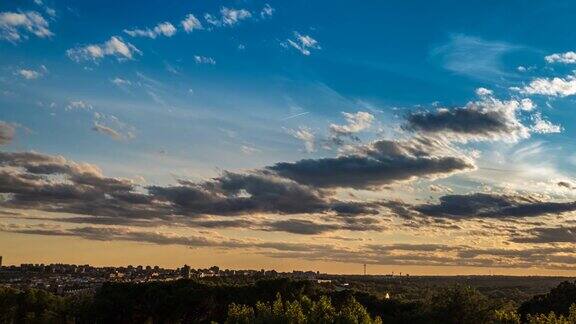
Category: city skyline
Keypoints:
(304, 135)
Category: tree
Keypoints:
(460, 305)
(240, 314)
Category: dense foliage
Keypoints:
(278, 301)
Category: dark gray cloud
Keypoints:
(565, 184)
(381, 163)
(307, 227)
(237, 194)
(7, 132)
(482, 205)
(547, 235)
(300, 226)
(461, 121)
(488, 119)
(54, 184)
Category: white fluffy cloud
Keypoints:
(204, 60)
(15, 26)
(303, 43)
(162, 29)
(228, 17)
(484, 92)
(568, 58)
(30, 74)
(115, 46)
(555, 87)
(542, 126)
(191, 23)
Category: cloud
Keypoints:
(306, 136)
(115, 46)
(267, 11)
(233, 16)
(248, 150)
(542, 126)
(237, 194)
(307, 227)
(125, 234)
(386, 254)
(547, 235)
(78, 104)
(191, 23)
(204, 60)
(121, 82)
(29, 74)
(54, 184)
(299, 226)
(162, 29)
(567, 58)
(380, 163)
(439, 188)
(303, 43)
(7, 132)
(113, 127)
(484, 92)
(483, 205)
(487, 119)
(474, 57)
(355, 122)
(50, 11)
(107, 131)
(228, 17)
(555, 87)
(16, 26)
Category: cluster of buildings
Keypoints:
(66, 279)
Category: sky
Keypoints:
(290, 135)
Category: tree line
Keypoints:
(278, 301)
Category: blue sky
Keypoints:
(457, 102)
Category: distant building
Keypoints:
(0, 261)
(185, 271)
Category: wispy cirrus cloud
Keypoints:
(474, 57)
(306, 136)
(267, 11)
(165, 29)
(303, 43)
